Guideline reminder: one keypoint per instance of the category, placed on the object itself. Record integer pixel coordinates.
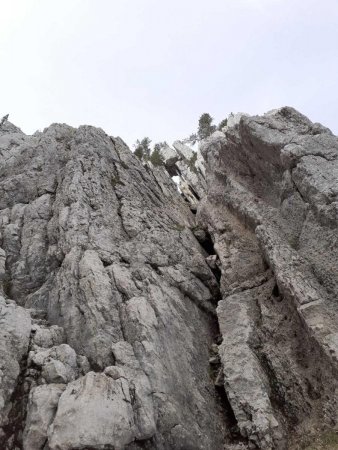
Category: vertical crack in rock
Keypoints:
(122, 301)
(279, 347)
(119, 276)
(12, 432)
(14, 341)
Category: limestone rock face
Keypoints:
(15, 328)
(98, 252)
(42, 406)
(128, 322)
(188, 165)
(271, 208)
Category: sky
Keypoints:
(151, 67)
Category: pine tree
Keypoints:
(222, 124)
(205, 127)
(142, 148)
(156, 158)
(139, 152)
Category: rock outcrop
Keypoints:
(100, 256)
(271, 209)
(188, 165)
(128, 322)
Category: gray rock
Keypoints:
(15, 327)
(246, 383)
(188, 166)
(103, 246)
(139, 388)
(116, 343)
(47, 337)
(170, 157)
(271, 204)
(2, 264)
(101, 408)
(234, 120)
(41, 409)
(57, 364)
(82, 364)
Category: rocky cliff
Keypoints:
(136, 317)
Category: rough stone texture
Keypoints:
(188, 165)
(100, 250)
(15, 327)
(246, 383)
(46, 337)
(57, 364)
(127, 322)
(42, 406)
(101, 408)
(272, 204)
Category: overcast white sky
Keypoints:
(150, 67)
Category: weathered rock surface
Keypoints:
(272, 204)
(188, 165)
(15, 328)
(42, 406)
(99, 250)
(127, 322)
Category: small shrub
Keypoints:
(222, 124)
(142, 148)
(156, 158)
(139, 152)
(205, 126)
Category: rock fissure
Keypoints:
(11, 437)
(202, 319)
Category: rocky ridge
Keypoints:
(187, 165)
(136, 317)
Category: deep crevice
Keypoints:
(12, 438)
(217, 379)
(275, 291)
(105, 263)
(155, 267)
(206, 242)
(217, 273)
(194, 193)
(193, 209)
(229, 415)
